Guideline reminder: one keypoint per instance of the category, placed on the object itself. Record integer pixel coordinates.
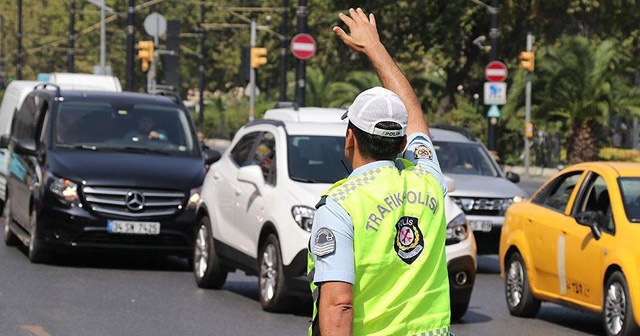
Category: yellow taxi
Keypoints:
(576, 242)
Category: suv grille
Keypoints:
(483, 206)
(130, 202)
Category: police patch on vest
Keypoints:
(423, 152)
(409, 241)
(325, 242)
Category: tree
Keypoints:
(583, 86)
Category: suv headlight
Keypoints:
(457, 230)
(303, 215)
(508, 201)
(66, 190)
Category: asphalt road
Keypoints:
(135, 295)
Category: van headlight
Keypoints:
(303, 215)
(66, 190)
(457, 230)
(194, 198)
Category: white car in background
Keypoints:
(258, 203)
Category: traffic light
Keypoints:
(527, 60)
(528, 130)
(258, 57)
(145, 53)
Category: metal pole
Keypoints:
(301, 15)
(72, 32)
(284, 42)
(19, 59)
(130, 45)
(494, 33)
(201, 68)
(527, 109)
(103, 40)
(252, 75)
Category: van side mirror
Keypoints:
(210, 155)
(513, 177)
(25, 147)
(251, 174)
(4, 141)
(590, 219)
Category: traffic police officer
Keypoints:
(377, 256)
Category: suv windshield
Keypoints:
(465, 158)
(630, 189)
(317, 159)
(113, 126)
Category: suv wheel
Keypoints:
(271, 277)
(520, 300)
(10, 238)
(617, 312)
(37, 254)
(206, 265)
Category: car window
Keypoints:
(557, 193)
(316, 159)
(265, 157)
(630, 189)
(240, 152)
(465, 158)
(595, 197)
(24, 124)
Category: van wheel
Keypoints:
(271, 277)
(206, 265)
(520, 300)
(37, 254)
(10, 238)
(617, 312)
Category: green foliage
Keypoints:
(618, 154)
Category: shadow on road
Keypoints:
(124, 261)
(589, 324)
(488, 264)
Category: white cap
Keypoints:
(376, 105)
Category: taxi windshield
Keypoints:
(317, 159)
(111, 126)
(630, 189)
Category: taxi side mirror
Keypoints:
(590, 219)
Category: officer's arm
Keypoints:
(336, 308)
(364, 38)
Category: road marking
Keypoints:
(35, 330)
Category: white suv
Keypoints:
(258, 203)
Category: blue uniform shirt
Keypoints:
(338, 266)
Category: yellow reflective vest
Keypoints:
(401, 283)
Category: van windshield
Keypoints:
(112, 126)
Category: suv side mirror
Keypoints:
(590, 219)
(4, 141)
(513, 177)
(25, 147)
(210, 155)
(251, 174)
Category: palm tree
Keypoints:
(583, 88)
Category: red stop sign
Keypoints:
(303, 46)
(495, 71)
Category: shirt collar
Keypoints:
(369, 166)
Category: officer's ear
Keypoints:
(350, 140)
(403, 146)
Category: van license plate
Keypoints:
(484, 226)
(141, 228)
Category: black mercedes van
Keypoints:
(102, 170)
